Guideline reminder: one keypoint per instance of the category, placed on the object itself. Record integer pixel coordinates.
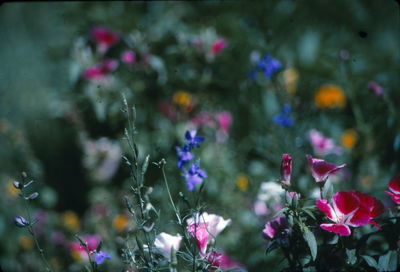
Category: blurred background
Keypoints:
(255, 80)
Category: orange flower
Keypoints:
(183, 100)
(120, 222)
(330, 96)
(349, 138)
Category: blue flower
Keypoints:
(100, 257)
(194, 176)
(192, 140)
(184, 155)
(269, 65)
(21, 222)
(284, 119)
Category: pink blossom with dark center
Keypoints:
(222, 261)
(274, 227)
(286, 169)
(349, 209)
(218, 46)
(99, 72)
(394, 187)
(321, 169)
(375, 87)
(104, 38)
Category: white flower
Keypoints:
(270, 191)
(165, 242)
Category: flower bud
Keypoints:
(21, 222)
(286, 169)
(18, 185)
(32, 196)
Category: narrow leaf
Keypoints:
(370, 261)
(312, 243)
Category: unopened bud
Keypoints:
(21, 222)
(32, 196)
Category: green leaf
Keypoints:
(312, 243)
(351, 256)
(388, 262)
(327, 191)
(310, 214)
(145, 165)
(370, 261)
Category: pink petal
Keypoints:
(321, 169)
(200, 233)
(340, 229)
(323, 206)
(345, 202)
(394, 184)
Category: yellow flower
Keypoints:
(11, 190)
(120, 222)
(25, 242)
(71, 220)
(330, 96)
(242, 182)
(290, 77)
(184, 100)
(349, 138)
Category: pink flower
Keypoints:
(100, 71)
(224, 120)
(128, 57)
(394, 186)
(375, 87)
(218, 46)
(260, 208)
(104, 38)
(205, 227)
(286, 169)
(80, 251)
(321, 169)
(321, 145)
(275, 227)
(204, 118)
(349, 209)
(222, 261)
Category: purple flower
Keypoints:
(194, 176)
(284, 119)
(192, 139)
(184, 155)
(268, 65)
(100, 257)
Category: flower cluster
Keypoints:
(193, 174)
(284, 119)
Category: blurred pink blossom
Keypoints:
(260, 208)
(128, 57)
(322, 145)
(224, 120)
(376, 88)
(218, 46)
(104, 38)
(222, 261)
(99, 72)
(80, 251)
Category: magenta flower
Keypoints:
(128, 57)
(375, 87)
(322, 145)
(222, 261)
(218, 46)
(99, 72)
(275, 227)
(286, 169)
(321, 169)
(394, 187)
(349, 209)
(224, 120)
(92, 242)
(104, 38)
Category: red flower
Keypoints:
(104, 38)
(286, 169)
(218, 46)
(394, 186)
(321, 169)
(99, 71)
(349, 209)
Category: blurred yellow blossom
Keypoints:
(120, 222)
(349, 138)
(25, 242)
(330, 96)
(184, 100)
(242, 182)
(290, 77)
(11, 190)
(71, 220)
